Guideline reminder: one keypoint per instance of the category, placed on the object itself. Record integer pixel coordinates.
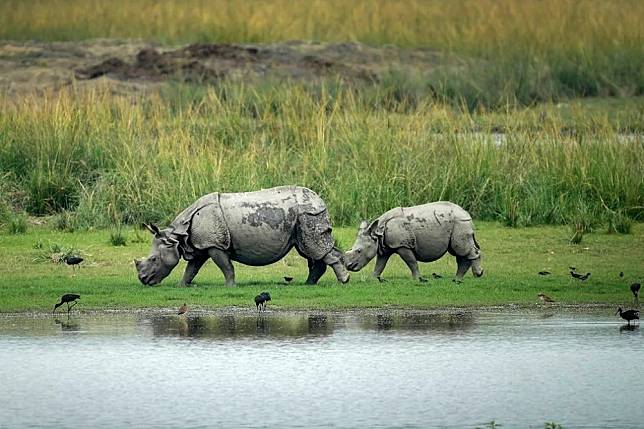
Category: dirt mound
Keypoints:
(136, 65)
(209, 62)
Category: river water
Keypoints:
(378, 370)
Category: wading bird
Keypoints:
(545, 298)
(72, 260)
(67, 298)
(544, 273)
(579, 276)
(437, 276)
(183, 309)
(628, 315)
(635, 288)
(261, 299)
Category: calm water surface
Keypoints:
(317, 370)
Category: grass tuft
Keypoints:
(17, 223)
(54, 252)
(618, 222)
(118, 238)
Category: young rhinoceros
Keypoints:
(420, 233)
(254, 228)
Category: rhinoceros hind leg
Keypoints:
(463, 265)
(410, 259)
(223, 262)
(316, 270)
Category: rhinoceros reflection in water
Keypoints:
(254, 228)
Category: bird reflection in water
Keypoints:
(68, 325)
(629, 328)
(262, 324)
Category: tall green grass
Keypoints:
(508, 50)
(114, 159)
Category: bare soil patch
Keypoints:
(134, 65)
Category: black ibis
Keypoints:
(628, 315)
(544, 273)
(437, 276)
(545, 298)
(288, 279)
(621, 273)
(183, 309)
(579, 276)
(635, 288)
(67, 298)
(73, 260)
(261, 299)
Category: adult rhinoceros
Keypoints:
(254, 228)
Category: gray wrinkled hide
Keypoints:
(255, 228)
(421, 233)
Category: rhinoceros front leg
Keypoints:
(222, 260)
(316, 270)
(381, 263)
(192, 269)
(410, 259)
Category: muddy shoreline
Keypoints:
(247, 311)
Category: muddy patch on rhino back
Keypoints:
(270, 215)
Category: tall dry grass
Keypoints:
(114, 160)
(512, 50)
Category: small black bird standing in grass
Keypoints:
(628, 315)
(261, 299)
(573, 268)
(635, 288)
(183, 309)
(288, 279)
(545, 298)
(437, 276)
(544, 273)
(579, 276)
(67, 298)
(72, 260)
(621, 273)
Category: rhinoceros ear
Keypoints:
(375, 230)
(363, 225)
(152, 228)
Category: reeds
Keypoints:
(111, 160)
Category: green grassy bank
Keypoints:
(29, 281)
